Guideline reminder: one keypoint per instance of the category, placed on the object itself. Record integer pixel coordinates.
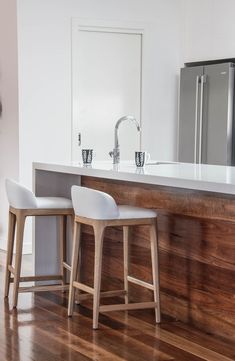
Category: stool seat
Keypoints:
(53, 202)
(20, 197)
(130, 212)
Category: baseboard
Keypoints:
(27, 246)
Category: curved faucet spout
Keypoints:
(116, 152)
(128, 117)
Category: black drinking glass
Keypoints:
(140, 158)
(87, 156)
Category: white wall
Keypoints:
(45, 73)
(9, 143)
(208, 29)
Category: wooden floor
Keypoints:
(40, 330)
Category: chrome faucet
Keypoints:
(115, 154)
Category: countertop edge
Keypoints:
(197, 185)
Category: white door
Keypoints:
(106, 86)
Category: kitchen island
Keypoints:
(196, 219)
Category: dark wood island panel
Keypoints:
(197, 252)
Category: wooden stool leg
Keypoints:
(10, 245)
(126, 232)
(78, 277)
(20, 219)
(155, 269)
(73, 275)
(63, 229)
(99, 236)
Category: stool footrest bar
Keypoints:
(67, 266)
(83, 287)
(39, 278)
(44, 288)
(130, 306)
(105, 294)
(140, 283)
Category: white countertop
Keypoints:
(220, 179)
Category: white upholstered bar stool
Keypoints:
(99, 210)
(23, 203)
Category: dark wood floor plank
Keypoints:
(136, 329)
(110, 339)
(25, 328)
(189, 351)
(185, 344)
(205, 340)
(41, 331)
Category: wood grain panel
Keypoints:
(197, 253)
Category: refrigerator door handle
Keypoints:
(202, 81)
(196, 118)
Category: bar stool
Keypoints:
(23, 203)
(99, 210)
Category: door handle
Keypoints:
(202, 82)
(196, 118)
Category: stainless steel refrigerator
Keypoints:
(206, 114)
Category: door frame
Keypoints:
(80, 24)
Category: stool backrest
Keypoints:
(20, 197)
(93, 204)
